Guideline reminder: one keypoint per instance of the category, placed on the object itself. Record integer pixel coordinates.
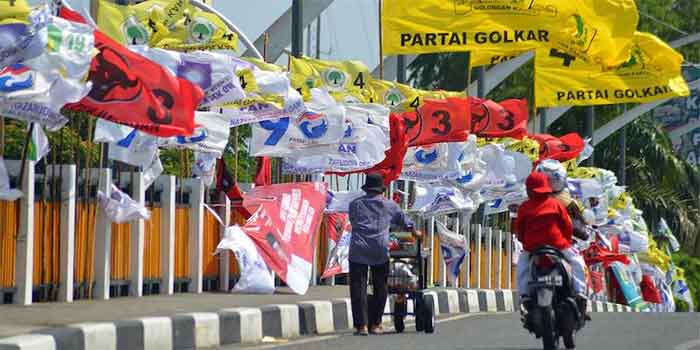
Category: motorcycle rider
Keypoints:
(543, 220)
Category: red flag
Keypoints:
(338, 232)
(504, 119)
(285, 227)
(562, 148)
(132, 90)
(436, 121)
(226, 184)
(264, 172)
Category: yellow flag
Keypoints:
(347, 81)
(168, 24)
(652, 72)
(401, 97)
(593, 30)
(480, 58)
(14, 11)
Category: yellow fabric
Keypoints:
(479, 58)
(584, 173)
(655, 256)
(348, 81)
(570, 165)
(527, 146)
(652, 72)
(593, 30)
(170, 24)
(14, 12)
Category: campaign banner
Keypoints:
(120, 208)
(651, 72)
(446, 120)
(339, 202)
(454, 250)
(211, 71)
(132, 90)
(591, 30)
(562, 148)
(19, 40)
(211, 133)
(284, 226)
(323, 123)
(438, 199)
(507, 118)
(348, 81)
(339, 233)
(431, 163)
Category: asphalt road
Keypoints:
(608, 331)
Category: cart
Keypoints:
(410, 286)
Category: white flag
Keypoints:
(119, 207)
(210, 135)
(255, 276)
(7, 193)
(436, 199)
(39, 146)
(454, 249)
(339, 202)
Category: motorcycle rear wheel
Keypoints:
(550, 338)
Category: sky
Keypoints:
(349, 28)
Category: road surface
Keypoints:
(608, 331)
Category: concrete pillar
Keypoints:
(477, 247)
(499, 254)
(196, 232)
(433, 252)
(167, 235)
(466, 231)
(457, 229)
(103, 240)
(489, 257)
(509, 260)
(67, 253)
(24, 268)
(138, 230)
(225, 256)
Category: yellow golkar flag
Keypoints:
(14, 11)
(346, 81)
(168, 24)
(401, 97)
(592, 30)
(652, 72)
(479, 58)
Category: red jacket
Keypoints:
(543, 220)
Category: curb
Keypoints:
(250, 325)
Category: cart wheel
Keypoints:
(418, 311)
(399, 324)
(400, 308)
(428, 318)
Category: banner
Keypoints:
(211, 133)
(255, 277)
(437, 199)
(323, 123)
(652, 72)
(14, 11)
(339, 233)
(454, 249)
(592, 30)
(436, 121)
(69, 48)
(284, 227)
(562, 148)
(339, 202)
(401, 97)
(212, 72)
(132, 90)
(119, 207)
(169, 24)
(431, 163)
(507, 118)
(480, 58)
(347, 81)
(680, 118)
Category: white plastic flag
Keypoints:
(119, 207)
(431, 163)
(436, 199)
(454, 249)
(210, 135)
(152, 171)
(321, 124)
(70, 47)
(255, 276)
(20, 42)
(204, 167)
(213, 72)
(7, 193)
(137, 148)
(39, 145)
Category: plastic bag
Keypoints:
(255, 276)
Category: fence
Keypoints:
(59, 246)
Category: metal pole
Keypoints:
(543, 120)
(481, 82)
(401, 69)
(588, 129)
(297, 28)
(381, 50)
(318, 37)
(623, 153)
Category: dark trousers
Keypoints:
(368, 312)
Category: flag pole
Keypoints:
(381, 50)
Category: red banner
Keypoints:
(504, 119)
(132, 90)
(436, 121)
(338, 230)
(562, 148)
(284, 227)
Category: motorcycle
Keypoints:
(553, 310)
